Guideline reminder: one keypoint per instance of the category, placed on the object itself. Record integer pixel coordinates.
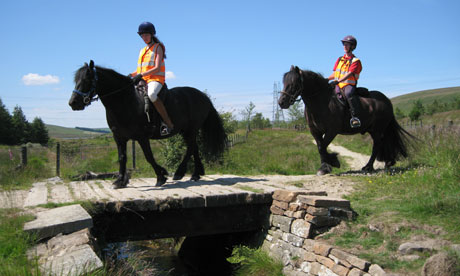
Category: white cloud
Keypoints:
(36, 79)
(170, 75)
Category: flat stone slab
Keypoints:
(64, 220)
(66, 254)
(322, 201)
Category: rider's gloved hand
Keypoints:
(137, 78)
(334, 83)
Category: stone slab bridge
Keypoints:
(216, 204)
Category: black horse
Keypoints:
(190, 110)
(327, 116)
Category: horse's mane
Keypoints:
(81, 72)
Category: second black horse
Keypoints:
(190, 110)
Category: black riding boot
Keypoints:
(355, 108)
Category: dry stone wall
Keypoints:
(296, 219)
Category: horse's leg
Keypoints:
(327, 159)
(159, 170)
(123, 177)
(199, 169)
(377, 145)
(192, 149)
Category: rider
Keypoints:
(151, 68)
(345, 76)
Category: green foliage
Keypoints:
(14, 243)
(416, 111)
(254, 262)
(399, 114)
(16, 130)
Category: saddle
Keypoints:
(360, 91)
(153, 117)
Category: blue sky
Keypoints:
(236, 50)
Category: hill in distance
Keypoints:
(442, 95)
(73, 133)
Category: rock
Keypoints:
(376, 270)
(440, 264)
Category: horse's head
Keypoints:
(85, 87)
(292, 87)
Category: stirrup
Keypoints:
(164, 129)
(355, 122)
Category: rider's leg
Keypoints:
(153, 90)
(355, 105)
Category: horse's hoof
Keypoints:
(177, 177)
(195, 178)
(160, 182)
(320, 172)
(368, 169)
(120, 183)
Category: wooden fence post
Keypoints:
(23, 156)
(134, 154)
(58, 159)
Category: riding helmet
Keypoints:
(146, 27)
(352, 40)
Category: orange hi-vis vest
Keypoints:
(342, 69)
(146, 62)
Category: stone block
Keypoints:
(280, 204)
(285, 195)
(293, 239)
(339, 261)
(359, 263)
(322, 249)
(294, 206)
(340, 270)
(282, 222)
(315, 268)
(377, 270)
(322, 201)
(308, 244)
(295, 214)
(301, 228)
(356, 272)
(325, 261)
(317, 211)
(342, 213)
(309, 256)
(64, 220)
(322, 221)
(276, 210)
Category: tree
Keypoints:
(434, 107)
(416, 111)
(21, 128)
(296, 113)
(258, 121)
(399, 114)
(6, 126)
(247, 114)
(39, 132)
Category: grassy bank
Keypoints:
(420, 198)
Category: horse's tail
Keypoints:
(213, 135)
(394, 143)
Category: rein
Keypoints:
(88, 97)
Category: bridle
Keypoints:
(293, 98)
(89, 97)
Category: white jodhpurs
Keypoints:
(153, 88)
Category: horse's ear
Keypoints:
(298, 69)
(91, 64)
(293, 67)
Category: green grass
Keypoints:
(272, 152)
(254, 262)
(421, 197)
(14, 244)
